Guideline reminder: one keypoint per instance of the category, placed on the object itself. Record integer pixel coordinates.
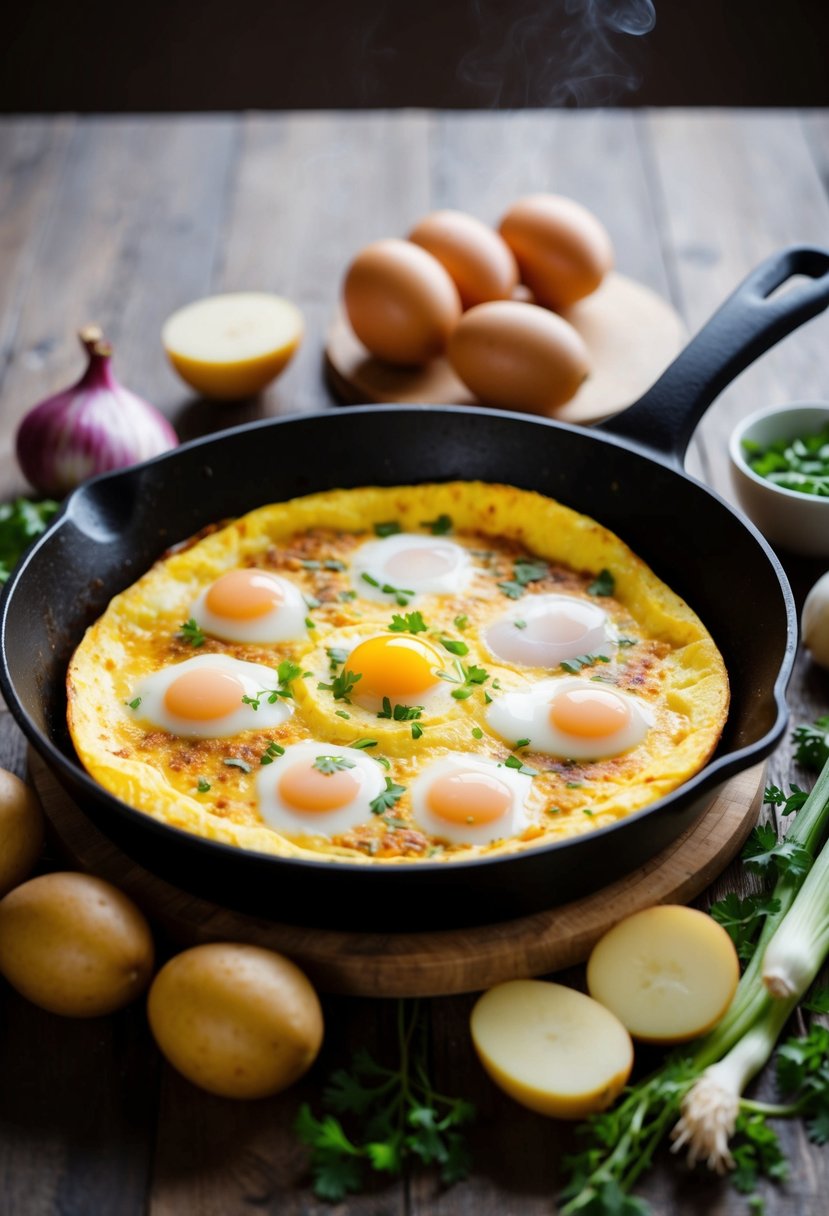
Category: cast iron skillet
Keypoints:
(626, 473)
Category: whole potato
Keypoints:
(237, 1020)
(21, 831)
(74, 944)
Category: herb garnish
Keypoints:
(190, 632)
(203, 785)
(235, 762)
(327, 765)
(134, 703)
(812, 744)
(342, 685)
(390, 528)
(20, 522)
(361, 743)
(286, 673)
(400, 713)
(412, 622)
(469, 678)
(461, 622)
(438, 527)
(417, 730)
(397, 1116)
(402, 595)
(453, 646)
(270, 753)
(579, 661)
(603, 584)
(524, 571)
(337, 655)
(518, 764)
(390, 795)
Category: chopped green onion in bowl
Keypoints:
(800, 464)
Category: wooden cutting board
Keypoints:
(631, 332)
(422, 964)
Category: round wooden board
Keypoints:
(631, 332)
(423, 964)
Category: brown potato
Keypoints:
(237, 1020)
(21, 831)
(74, 944)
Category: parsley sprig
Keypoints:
(524, 571)
(328, 765)
(402, 595)
(342, 685)
(379, 1119)
(467, 677)
(388, 798)
(412, 622)
(286, 673)
(190, 632)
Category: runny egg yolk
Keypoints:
(589, 713)
(305, 788)
(468, 798)
(419, 564)
(204, 695)
(400, 668)
(244, 595)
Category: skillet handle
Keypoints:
(745, 326)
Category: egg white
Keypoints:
(289, 821)
(524, 714)
(526, 636)
(372, 558)
(284, 623)
(150, 691)
(510, 823)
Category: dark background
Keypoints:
(156, 55)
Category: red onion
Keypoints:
(92, 427)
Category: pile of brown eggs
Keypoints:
(457, 287)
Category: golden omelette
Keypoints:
(385, 675)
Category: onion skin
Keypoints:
(93, 427)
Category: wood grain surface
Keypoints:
(120, 220)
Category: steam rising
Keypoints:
(555, 52)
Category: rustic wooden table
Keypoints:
(121, 220)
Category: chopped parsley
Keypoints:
(402, 595)
(438, 527)
(342, 685)
(412, 622)
(469, 678)
(603, 584)
(286, 673)
(522, 743)
(190, 632)
(328, 765)
(203, 786)
(390, 795)
(337, 655)
(400, 713)
(524, 572)
(309, 624)
(390, 528)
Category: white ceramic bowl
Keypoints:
(793, 521)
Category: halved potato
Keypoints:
(232, 345)
(668, 973)
(551, 1048)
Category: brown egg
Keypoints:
(400, 301)
(562, 250)
(518, 356)
(479, 261)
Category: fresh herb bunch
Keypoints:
(697, 1095)
(20, 522)
(392, 1116)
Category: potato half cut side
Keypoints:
(551, 1048)
(668, 973)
